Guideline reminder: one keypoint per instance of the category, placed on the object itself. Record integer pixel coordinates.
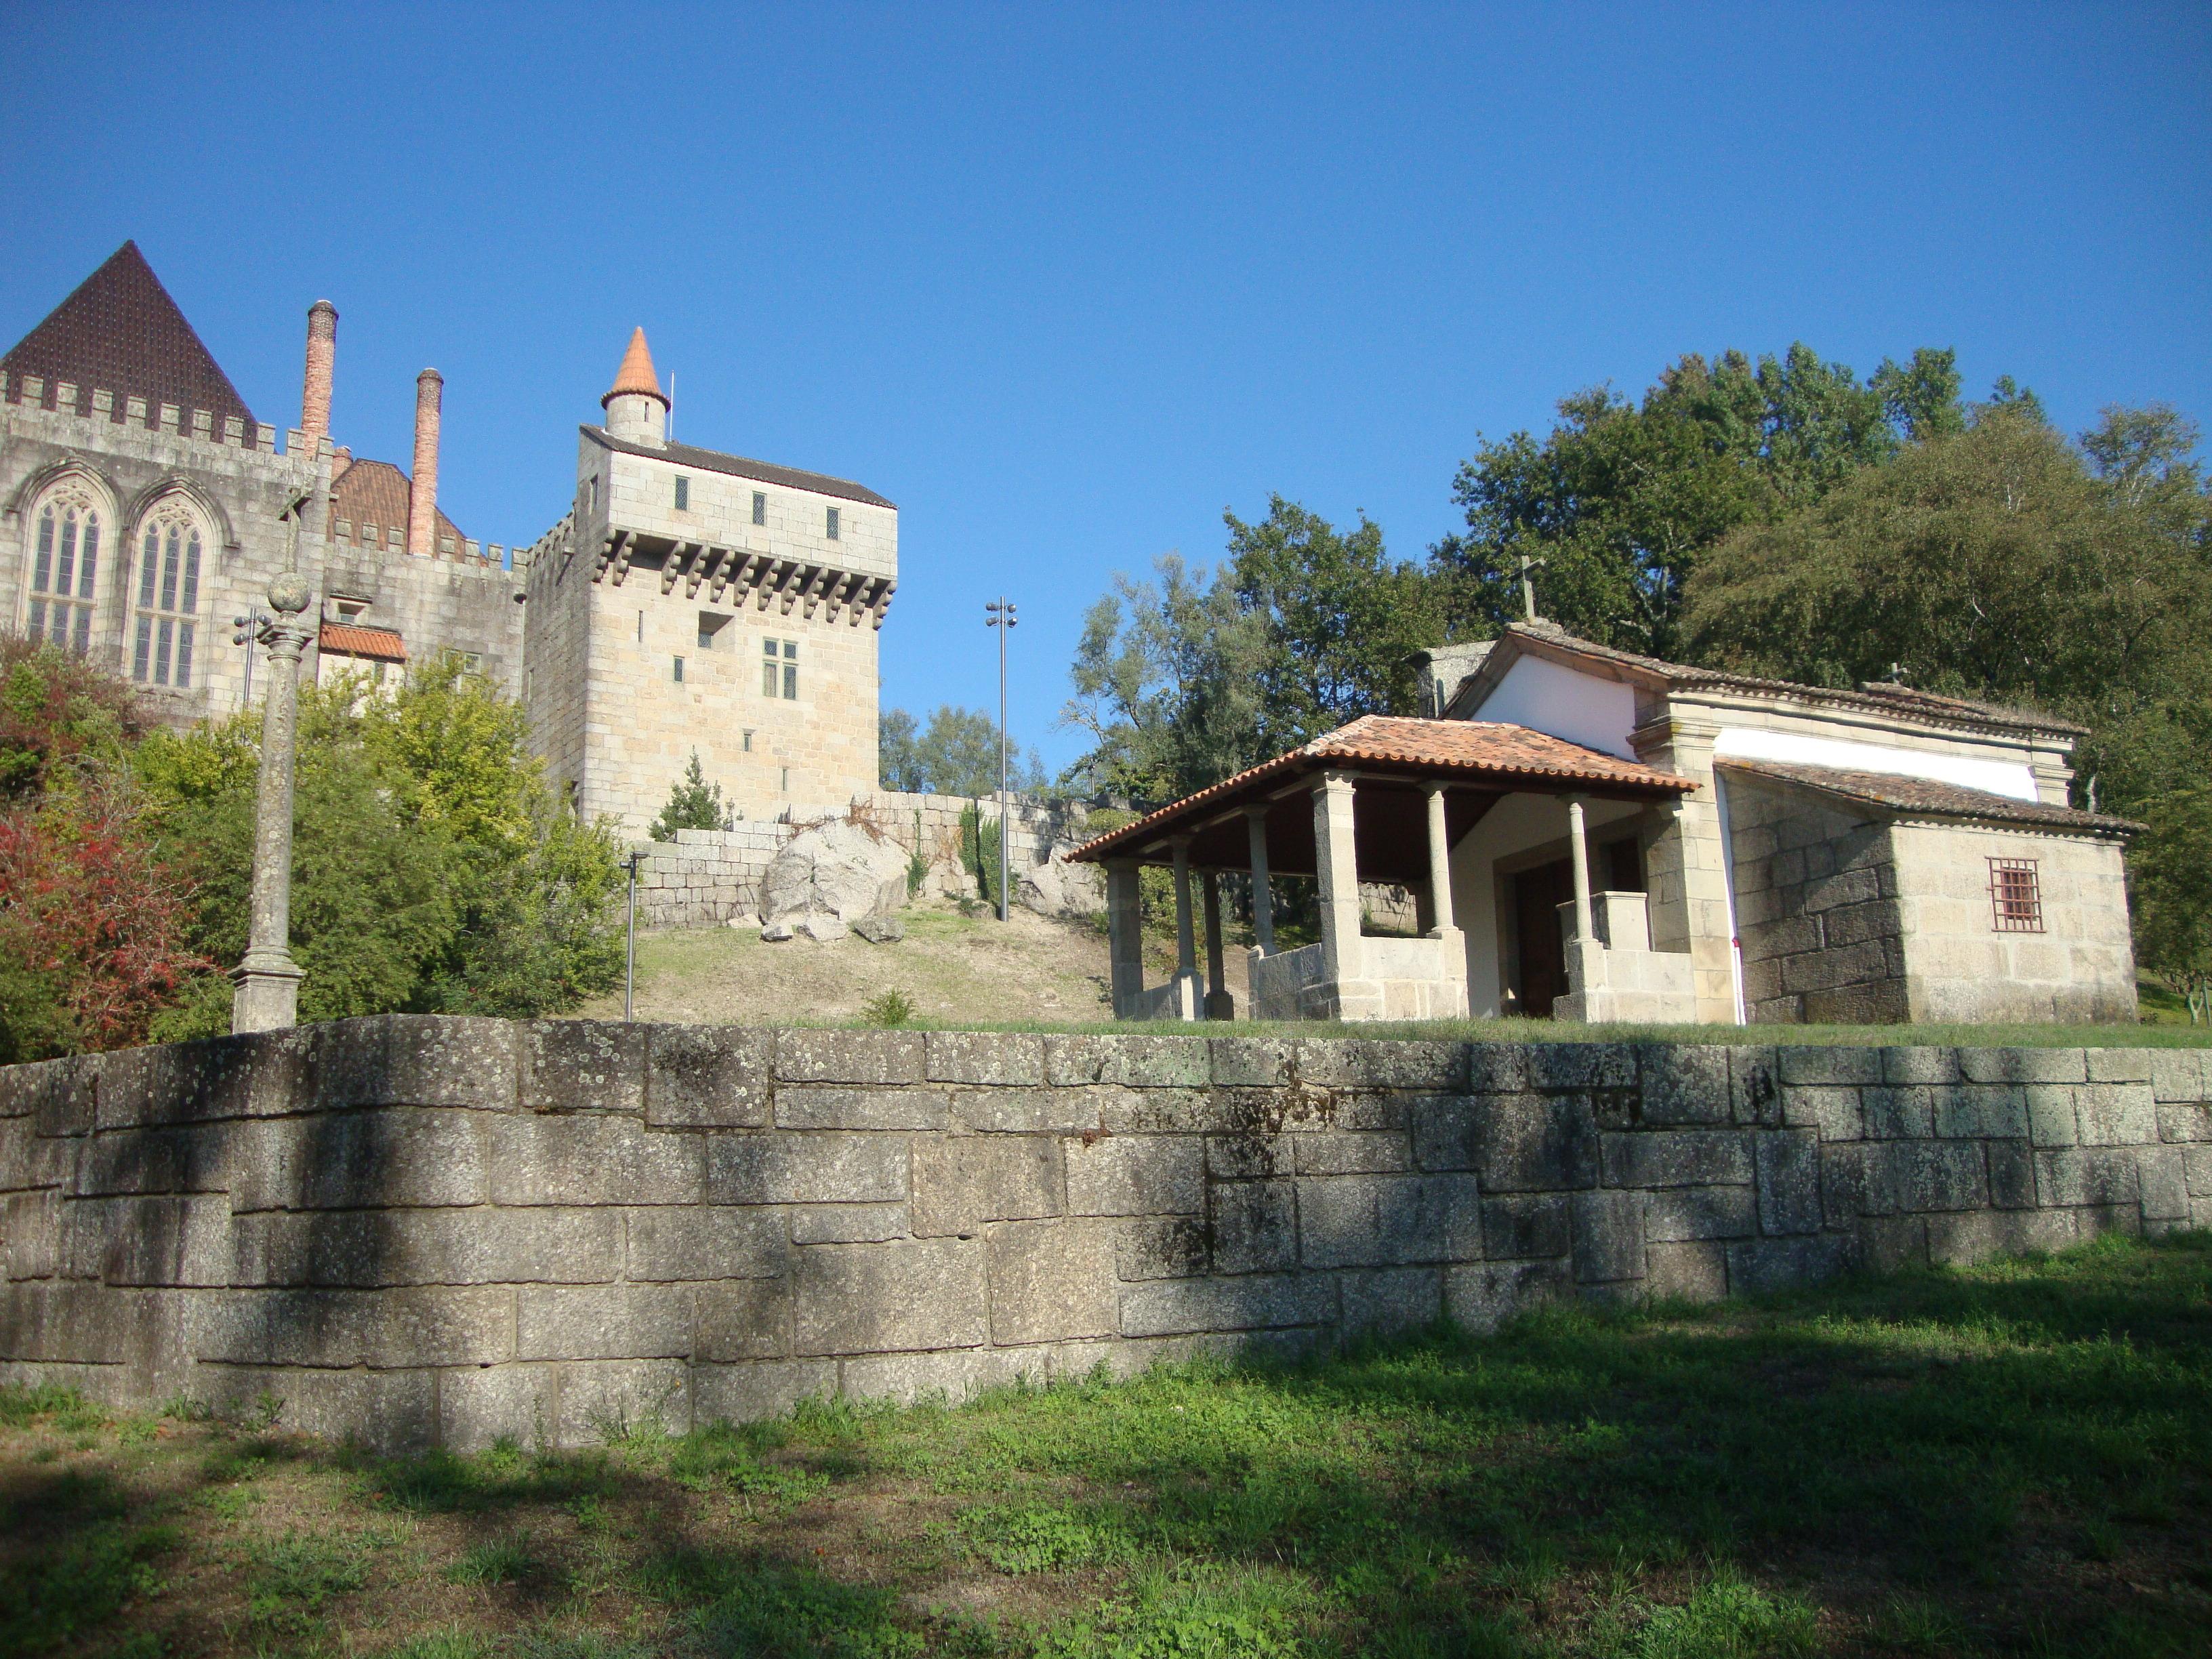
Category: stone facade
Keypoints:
(421, 1229)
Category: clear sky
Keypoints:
(1064, 282)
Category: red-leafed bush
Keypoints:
(93, 928)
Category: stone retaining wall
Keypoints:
(420, 1230)
(706, 877)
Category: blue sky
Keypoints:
(1064, 282)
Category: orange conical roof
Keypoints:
(635, 376)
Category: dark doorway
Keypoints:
(1537, 896)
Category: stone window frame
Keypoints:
(779, 654)
(170, 550)
(2015, 895)
(63, 570)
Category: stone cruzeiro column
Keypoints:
(267, 980)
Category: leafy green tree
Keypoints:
(59, 712)
(956, 754)
(1622, 500)
(1340, 619)
(1166, 682)
(432, 870)
(693, 803)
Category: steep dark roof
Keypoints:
(1924, 797)
(121, 332)
(1890, 699)
(713, 461)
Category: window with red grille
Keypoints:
(2016, 899)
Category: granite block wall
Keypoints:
(428, 1230)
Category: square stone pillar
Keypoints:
(1690, 904)
(1219, 1004)
(1336, 864)
(1125, 937)
(1263, 900)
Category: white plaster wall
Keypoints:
(2011, 779)
(1598, 714)
(1514, 825)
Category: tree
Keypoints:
(956, 754)
(432, 870)
(1341, 620)
(693, 803)
(1621, 501)
(57, 711)
(92, 928)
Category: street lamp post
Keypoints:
(999, 614)
(629, 967)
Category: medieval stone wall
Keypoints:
(1816, 907)
(706, 877)
(422, 1230)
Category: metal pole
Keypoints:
(999, 614)
(629, 967)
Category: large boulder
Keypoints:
(1059, 888)
(828, 877)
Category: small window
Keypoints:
(2015, 896)
(682, 495)
(780, 669)
(749, 743)
(591, 492)
(471, 662)
(833, 524)
(640, 628)
(760, 506)
(679, 671)
(710, 625)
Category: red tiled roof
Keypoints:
(1926, 796)
(635, 376)
(1472, 750)
(1892, 699)
(121, 332)
(375, 492)
(351, 640)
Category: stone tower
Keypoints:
(693, 600)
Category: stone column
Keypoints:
(1218, 1004)
(265, 996)
(422, 492)
(1125, 937)
(1578, 853)
(1263, 900)
(1186, 948)
(1440, 893)
(1336, 864)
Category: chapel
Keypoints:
(1593, 835)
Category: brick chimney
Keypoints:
(322, 354)
(422, 495)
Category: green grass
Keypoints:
(2014, 1459)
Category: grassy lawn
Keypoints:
(2011, 1459)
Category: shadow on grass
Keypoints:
(2011, 1459)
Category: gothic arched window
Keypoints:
(65, 572)
(166, 599)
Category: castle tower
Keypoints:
(636, 408)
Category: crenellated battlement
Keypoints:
(64, 402)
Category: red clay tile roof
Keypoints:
(1894, 699)
(351, 640)
(1470, 749)
(121, 332)
(1919, 796)
(635, 374)
(375, 492)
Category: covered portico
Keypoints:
(1383, 800)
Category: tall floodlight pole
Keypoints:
(999, 614)
(266, 997)
(629, 968)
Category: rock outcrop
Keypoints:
(829, 877)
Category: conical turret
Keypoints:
(637, 409)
